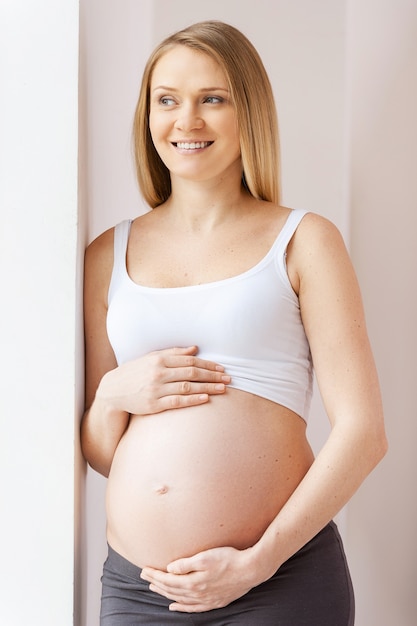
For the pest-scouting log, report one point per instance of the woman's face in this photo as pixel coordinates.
(192, 121)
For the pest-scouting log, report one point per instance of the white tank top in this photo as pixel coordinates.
(250, 323)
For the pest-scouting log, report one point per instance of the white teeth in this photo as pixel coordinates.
(193, 145)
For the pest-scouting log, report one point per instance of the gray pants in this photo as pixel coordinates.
(313, 588)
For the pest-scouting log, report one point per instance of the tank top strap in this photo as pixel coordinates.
(290, 227)
(288, 230)
(121, 237)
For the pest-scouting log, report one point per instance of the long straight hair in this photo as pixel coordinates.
(251, 94)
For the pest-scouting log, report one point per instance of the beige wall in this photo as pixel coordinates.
(344, 76)
(382, 518)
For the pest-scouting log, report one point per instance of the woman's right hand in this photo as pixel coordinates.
(162, 380)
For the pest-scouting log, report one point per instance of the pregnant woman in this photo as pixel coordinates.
(203, 319)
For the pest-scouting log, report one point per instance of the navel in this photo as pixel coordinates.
(162, 489)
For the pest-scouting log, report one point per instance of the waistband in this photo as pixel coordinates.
(121, 565)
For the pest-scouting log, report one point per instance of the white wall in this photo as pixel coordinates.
(344, 74)
(38, 248)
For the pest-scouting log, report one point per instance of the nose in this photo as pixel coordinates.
(188, 118)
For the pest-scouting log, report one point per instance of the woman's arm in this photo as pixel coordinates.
(333, 317)
(332, 313)
(159, 381)
(102, 426)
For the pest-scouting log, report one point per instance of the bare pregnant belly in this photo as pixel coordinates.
(190, 479)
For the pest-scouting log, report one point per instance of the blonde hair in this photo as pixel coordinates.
(251, 94)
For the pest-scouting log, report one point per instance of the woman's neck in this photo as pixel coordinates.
(205, 205)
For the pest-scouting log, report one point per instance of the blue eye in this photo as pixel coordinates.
(167, 101)
(213, 99)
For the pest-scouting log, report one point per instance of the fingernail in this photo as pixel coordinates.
(219, 387)
(226, 378)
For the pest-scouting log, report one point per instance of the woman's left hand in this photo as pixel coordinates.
(208, 580)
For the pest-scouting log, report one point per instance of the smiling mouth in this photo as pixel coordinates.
(192, 145)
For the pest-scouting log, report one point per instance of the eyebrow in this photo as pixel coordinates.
(203, 90)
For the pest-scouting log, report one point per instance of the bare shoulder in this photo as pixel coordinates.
(316, 239)
(99, 258)
(102, 246)
(315, 229)
(317, 250)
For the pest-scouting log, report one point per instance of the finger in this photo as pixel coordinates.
(167, 403)
(176, 595)
(178, 351)
(193, 373)
(183, 566)
(187, 388)
(182, 350)
(191, 361)
(172, 586)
